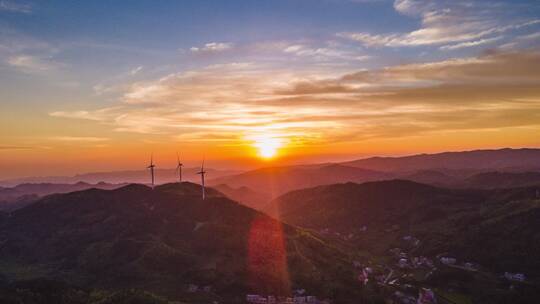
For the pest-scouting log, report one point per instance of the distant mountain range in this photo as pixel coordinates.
(24, 194)
(120, 177)
(483, 169)
(492, 180)
(278, 180)
(467, 161)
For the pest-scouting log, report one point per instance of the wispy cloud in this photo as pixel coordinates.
(16, 7)
(324, 53)
(470, 43)
(79, 138)
(30, 64)
(443, 23)
(97, 115)
(136, 70)
(533, 36)
(213, 47)
(27, 54)
(16, 148)
(228, 102)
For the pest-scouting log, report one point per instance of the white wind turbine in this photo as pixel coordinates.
(202, 173)
(179, 168)
(151, 167)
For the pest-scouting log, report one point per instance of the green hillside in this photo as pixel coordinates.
(165, 240)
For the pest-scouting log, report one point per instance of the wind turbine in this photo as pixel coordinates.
(179, 168)
(202, 173)
(151, 167)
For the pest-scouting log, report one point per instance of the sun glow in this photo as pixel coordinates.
(267, 145)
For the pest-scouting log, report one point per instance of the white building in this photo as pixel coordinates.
(448, 260)
(193, 288)
(520, 277)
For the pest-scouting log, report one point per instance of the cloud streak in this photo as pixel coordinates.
(15, 7)
(212, 47)
(8, 148)
(226, 104)
(443, 22)
(30, 64)
(470, 43)
(79, 139)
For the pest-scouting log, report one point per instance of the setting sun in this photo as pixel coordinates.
(267, 145)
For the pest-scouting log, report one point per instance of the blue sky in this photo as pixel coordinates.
(306, 73)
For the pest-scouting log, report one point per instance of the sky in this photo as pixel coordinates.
(100, 85)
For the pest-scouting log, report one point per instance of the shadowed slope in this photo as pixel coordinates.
(498, 228)
(353, 205)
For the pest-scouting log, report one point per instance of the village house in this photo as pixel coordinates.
(299, 292)
(470, 266)
(192, 288)
(258, 299)
(403, 298)
(422, 261)
(448, 260)
(426, 296)
(402, 263)
(519, 277)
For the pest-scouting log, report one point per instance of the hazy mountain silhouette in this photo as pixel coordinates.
(245, 196)
(432, 177)
(119, 177)
(492, 180)
(449, 169)
(484, 180)
(164, 239)
(24, 194)
(278, 180)
(485, 160)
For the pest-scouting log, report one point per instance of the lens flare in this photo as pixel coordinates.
(267, 257)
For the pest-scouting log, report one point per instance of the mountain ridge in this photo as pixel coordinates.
(164, 238)
(505, 158)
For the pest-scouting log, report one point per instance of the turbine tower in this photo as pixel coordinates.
(202, 173)
(179, 168)
(151, 167)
